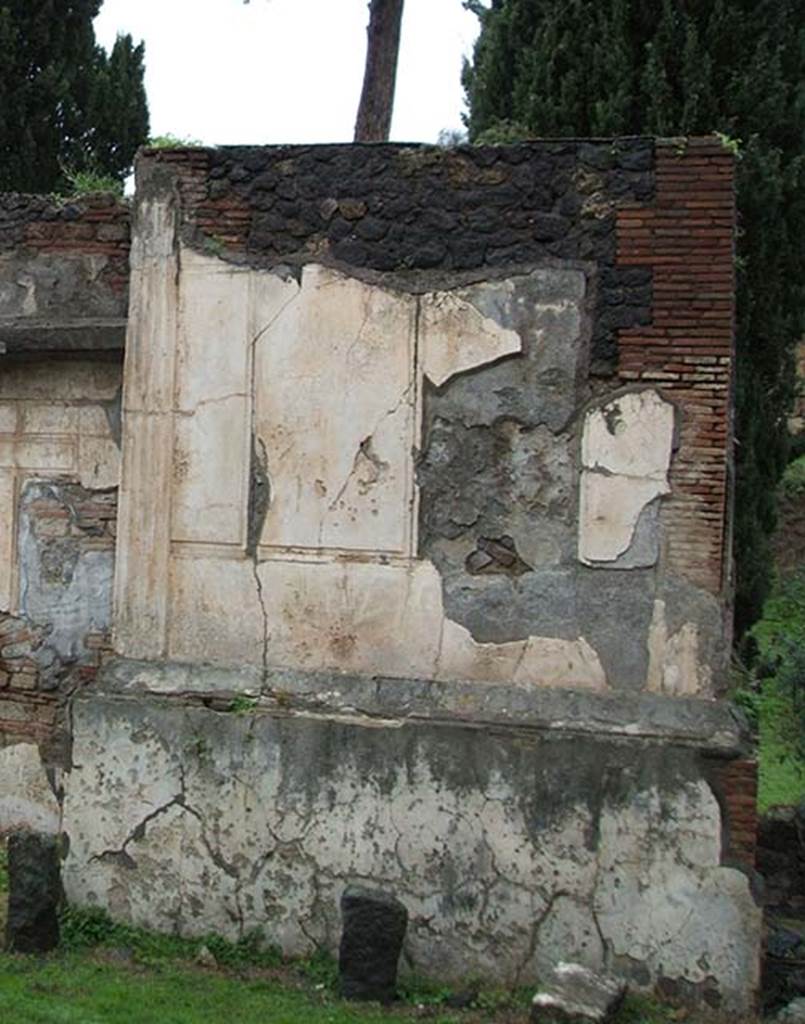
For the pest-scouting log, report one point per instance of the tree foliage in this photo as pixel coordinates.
(65, 104)
(683, 67)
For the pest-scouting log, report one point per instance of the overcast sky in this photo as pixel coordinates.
(275, 71)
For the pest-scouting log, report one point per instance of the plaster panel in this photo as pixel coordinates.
(536, 661)
(210, 472)
(676, 667)
(45, 454)
(214, 332)
(335, 393)
(8, 417)
(98, 463)
(48, 418)
(630, 436)
(626, 453)
(609, 510)
(456, 336)
(93, 421)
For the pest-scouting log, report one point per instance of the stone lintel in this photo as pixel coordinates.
(68, 336)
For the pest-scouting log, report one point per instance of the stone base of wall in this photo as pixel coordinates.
(518, 828)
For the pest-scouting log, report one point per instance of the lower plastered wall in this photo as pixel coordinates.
(515, 832)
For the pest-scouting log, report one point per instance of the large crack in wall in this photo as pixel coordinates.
(588, 849)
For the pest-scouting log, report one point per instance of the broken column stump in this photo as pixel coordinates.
(34, 892)
(573, 994)
(374, 926)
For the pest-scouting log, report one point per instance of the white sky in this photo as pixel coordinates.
(276, 71)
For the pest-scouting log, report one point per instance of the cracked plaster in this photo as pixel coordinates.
(220, 822)
(625, 455)
(321, 375)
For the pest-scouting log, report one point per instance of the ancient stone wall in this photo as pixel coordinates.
(63, 309)
(490, 384)
(421, 573)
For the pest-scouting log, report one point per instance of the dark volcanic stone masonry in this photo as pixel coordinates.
(374, 929)
(416, 208)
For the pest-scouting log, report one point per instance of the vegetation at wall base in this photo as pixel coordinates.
(111, 973)
(64, 101)
(736, 67)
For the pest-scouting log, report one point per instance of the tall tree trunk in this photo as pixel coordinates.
(377, 98)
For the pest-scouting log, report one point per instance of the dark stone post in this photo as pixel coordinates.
(374, 926)
(34, 892)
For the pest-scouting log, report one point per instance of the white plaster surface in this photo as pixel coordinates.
(26, 797)
(189, 821)
(626, 452)
(681, 914)
(456, 336)
(322, 377)
(212, 403)
(335, 402)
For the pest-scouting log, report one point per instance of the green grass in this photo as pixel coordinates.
(85, 929)
(76, 989)
(90, 182)
(781, 774)
(84, 988)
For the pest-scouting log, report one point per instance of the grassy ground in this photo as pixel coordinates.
(107, 973)
(101, 989)
(108, 987)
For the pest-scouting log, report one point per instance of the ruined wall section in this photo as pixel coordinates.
(584, 471)
(63, 273)
(63, 308)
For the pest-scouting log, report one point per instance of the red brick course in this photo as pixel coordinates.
(101, 226)
(687, 237)
(736, 786)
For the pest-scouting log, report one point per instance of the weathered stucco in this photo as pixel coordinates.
(558, 845)
(27, 796)
(356, 476)
(419, 577)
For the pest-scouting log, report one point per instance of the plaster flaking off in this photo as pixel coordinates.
(675, 665)
(323, 375)
(625, 454)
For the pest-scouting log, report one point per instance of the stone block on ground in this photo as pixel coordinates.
(374, 925)
(574, 993)
(34, 892)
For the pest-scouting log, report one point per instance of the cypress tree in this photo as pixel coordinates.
(65, 105)
(683, 67)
